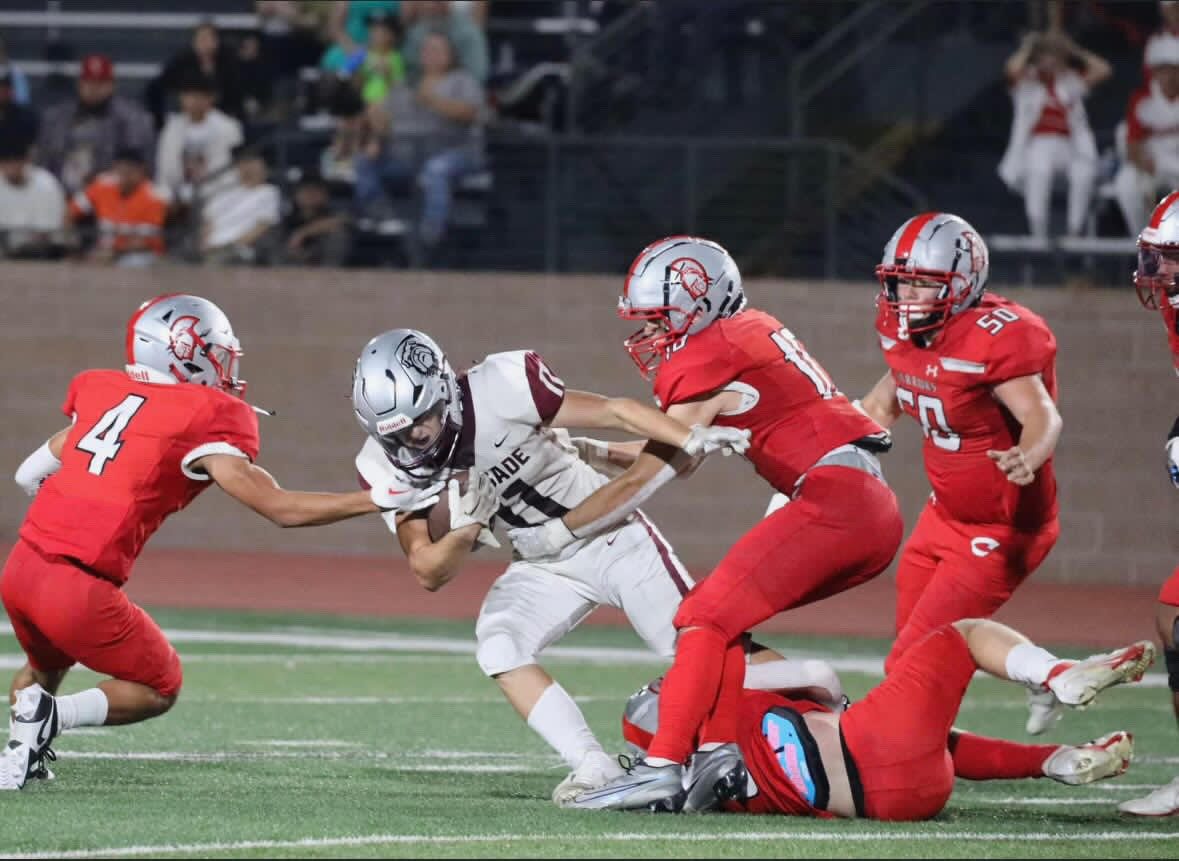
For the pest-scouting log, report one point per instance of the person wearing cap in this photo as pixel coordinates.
(32, 204)
(17, 122)
(1151, 167)
(79, 137)
(127, 209)
(194, 153)
(1050, 131)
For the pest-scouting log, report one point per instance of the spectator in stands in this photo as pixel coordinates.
(127, 209)
(207, 57)
(349, 29)
(32, 204)
(1151, 167)
(337, 162)
(196, 144)
(239, 219)
(378, 67)
(257, 77)
(468, 41)
(1168, 26)
(79, 138)
(314, 232)
(1050, 133)
(294, 32)
(17, 122)
(18, 81)
(433, 131)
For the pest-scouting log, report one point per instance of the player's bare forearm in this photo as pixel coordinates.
(589, 410)
(639, 480)
(57, 442)
(434, 563)
(624, 454)
(255, 488)
(1040, 423)
(881, 402)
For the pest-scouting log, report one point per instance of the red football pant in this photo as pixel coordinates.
(842, 529)
(951, 570)
(62, 615)
(1169, 594)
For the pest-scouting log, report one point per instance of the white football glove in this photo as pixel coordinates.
(594, 452)
(1173, 460)
(477, 505)
(706, 440)
(390, 488)
(542, 542)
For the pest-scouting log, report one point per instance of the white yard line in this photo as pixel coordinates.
(303, 742)
(1036, 802)
(833, 836)
(395, 762)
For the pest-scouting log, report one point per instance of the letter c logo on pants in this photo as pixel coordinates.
(982, 545)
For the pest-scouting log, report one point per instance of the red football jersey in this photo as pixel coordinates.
(125, 465)
(795, 412)
(1171, 323)
(947, 388)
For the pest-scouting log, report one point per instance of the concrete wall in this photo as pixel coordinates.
(302, 330)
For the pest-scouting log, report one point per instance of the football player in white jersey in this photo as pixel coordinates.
(502, 422)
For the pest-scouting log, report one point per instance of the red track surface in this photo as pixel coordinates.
(358, 585)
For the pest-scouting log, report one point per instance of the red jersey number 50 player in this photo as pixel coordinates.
(978, 373)
(143, 444)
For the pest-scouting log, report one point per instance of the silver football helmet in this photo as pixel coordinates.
(934, 249)
(683, 282)
(640, 718)
(184, 338)
(1157, 277)
(406, 397)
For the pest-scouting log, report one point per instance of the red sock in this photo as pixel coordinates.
(721, 724)
(977, 757)
(689, 691)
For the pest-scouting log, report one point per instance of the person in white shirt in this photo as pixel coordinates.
(1050, 132)
(239, 219)
(32, 204)
(1151, 168)
(196, 144)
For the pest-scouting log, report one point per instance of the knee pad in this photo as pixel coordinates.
(501, 652)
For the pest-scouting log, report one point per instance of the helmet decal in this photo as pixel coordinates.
(689, 274)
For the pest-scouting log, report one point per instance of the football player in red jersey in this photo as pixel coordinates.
(717, 362)
(894, 754)
(978, 372)
(143, 444)
(1157, 283)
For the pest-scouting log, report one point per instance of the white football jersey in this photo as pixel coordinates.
(507, 400)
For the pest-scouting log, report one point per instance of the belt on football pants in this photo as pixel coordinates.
(849, 455)
(853, 778)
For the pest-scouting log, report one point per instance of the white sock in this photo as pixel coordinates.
(1030, 664)
(558, 720)
(87, 708)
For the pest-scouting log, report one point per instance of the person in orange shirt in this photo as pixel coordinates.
(128, 210)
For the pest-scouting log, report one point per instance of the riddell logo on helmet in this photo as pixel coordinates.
(138, 374)
(388, 426)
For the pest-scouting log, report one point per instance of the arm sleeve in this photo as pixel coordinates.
(1020, 350)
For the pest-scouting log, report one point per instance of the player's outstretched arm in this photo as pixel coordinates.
(881, 402)
(434, 563)
(254, 487)
(41, 464)
(1028, 400)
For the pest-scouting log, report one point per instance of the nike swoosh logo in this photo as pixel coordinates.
(43, 734)
(502, 441)
(611, 539)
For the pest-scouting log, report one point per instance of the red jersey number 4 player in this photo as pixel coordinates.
(143, 443)
(978, 373)
(717, 362)
(1157, 282)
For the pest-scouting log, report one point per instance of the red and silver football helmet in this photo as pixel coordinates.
(1157, 277)
(684, 283)
(185, 339)
(934, 249)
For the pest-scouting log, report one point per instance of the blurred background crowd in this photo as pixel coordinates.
(563, 134)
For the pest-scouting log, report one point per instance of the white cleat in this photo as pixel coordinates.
(16, 762)
(1164, 801)
(1079, 684)
(1104, 757)
(596, 769)
(33, 720)
(1044, 711)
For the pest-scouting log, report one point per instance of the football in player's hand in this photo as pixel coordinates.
(438, 517)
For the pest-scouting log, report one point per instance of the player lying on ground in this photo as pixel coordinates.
(717, 362)
(499, 423)
(1157, 283)
(143, 444)
(978, 373)
(894, 754)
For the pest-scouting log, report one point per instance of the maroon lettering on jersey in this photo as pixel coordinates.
(791, 405)
(948, 389)
(121, 472)
(548, 390)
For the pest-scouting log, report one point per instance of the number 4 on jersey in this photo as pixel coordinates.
(102, 441)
